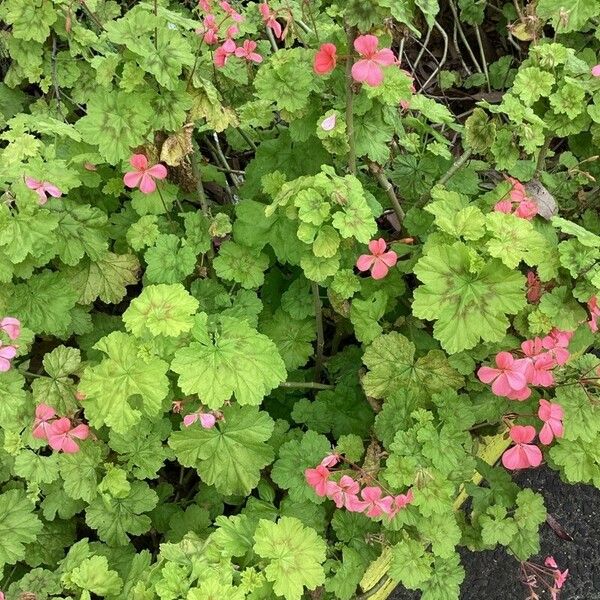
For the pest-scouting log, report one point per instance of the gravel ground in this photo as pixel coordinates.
(493, 575)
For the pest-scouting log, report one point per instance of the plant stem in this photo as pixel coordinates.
(198, 177)
(483, 59)
(320, 336)
(541, 160)
(247, 138)
(451, 171)
(388, 188)
(463, 37)
(350, 36)
(310, 385)
(272, 39)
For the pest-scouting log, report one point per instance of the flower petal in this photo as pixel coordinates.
(379, 270)
(132, 179)
(147, 185)
(365, 262)
(385, 57)
(139, 162)
(366, 45)
(158, 171)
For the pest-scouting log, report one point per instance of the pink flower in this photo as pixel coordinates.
(379, 261)
(176, 406)
(205, 5)
(375, 505)
(344, 493)
(522, 454)
(246, 50)
(559, 578)
(596, 70)
(540, 373)
(532, 348)
(594, 313)
(61, 435)
(44, 415)
(209, 30)
(143, 176)
(368, 70)
(552, 415)
(11, 326)
(231, 12)
(328, 123)
(523, 206)
(534, 287)
(401, 501)
(317, 479)
(42, 188)
(232, 31)
(223, 52)
(557, 342)
(331, 460)
(207, 420)
(270, 20)
(325, 59)
(7, 353)
(509, 377)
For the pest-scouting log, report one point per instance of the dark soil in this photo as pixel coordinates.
(494, 575)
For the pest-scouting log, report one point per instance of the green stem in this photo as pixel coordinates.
(198, 178)
(541, 160)
(309, 385)
(388, 188)
(320, 335)
(449, 173)
(350, 36)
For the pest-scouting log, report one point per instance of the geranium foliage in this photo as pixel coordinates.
(269, 274)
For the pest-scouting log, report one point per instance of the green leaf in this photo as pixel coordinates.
(230, 455)
(116, 121)
(170, 260)
(411, 564)
(29, 21)
(567, 16)
(454, 216)
(161, 310)
(94, 576)
(365, 315)
(294, 458)
(392, 366)
(496, 527)
(293, 338)
(444, 584)
(35, 468)
(243, 265)
(347, 577)
(531, 84)
(19, 525)
(43, 303)
(125, 385)
(237, 361)
(80, 472)
(80, 231)
(166, 57)
(585, 237)
(115, 518)
(143, 233)
(469, 302)
(295, 554)
(58, 389)
(105, 278)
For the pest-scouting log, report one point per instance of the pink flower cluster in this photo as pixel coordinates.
(345, 492)
(58, 431)
(548, 576)
(210, 32)
(143, 176)
(524, 454)
(518, 202)
(594, 314)
(12, 328)
(42, 189)
(512, 376)
(366, 70)
(379, 261)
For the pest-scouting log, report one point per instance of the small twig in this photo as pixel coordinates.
(463, 37)
(320, 334)
(91, 14)
(311, 16)
(442, 61)
(388, 188)
(423, 47)
(247, 138)
(350, 36)
(449, 173)
(55, 78)
(541, 160)
(309, 385)
(483, 58)
(458, 52)
(303, 26)
(223, 159)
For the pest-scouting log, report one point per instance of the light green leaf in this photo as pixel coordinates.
(170, 260)
(230, 455)
(243, 265)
